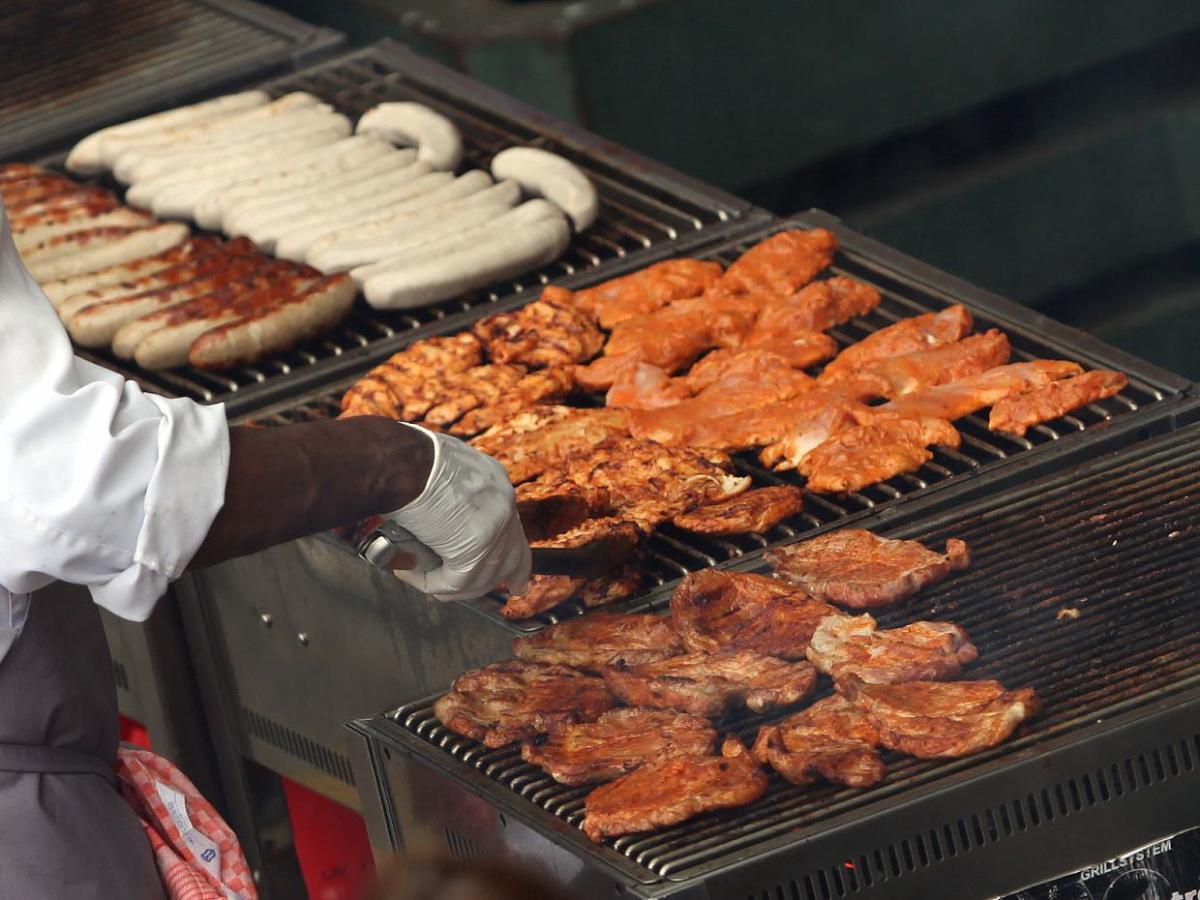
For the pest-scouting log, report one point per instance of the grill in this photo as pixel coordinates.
(646, 211)
(1113, 760)
(908, 289)
(122, 58)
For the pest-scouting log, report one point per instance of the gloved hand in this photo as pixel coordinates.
(467, 515)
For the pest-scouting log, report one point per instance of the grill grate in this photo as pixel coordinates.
(641, 208)
(1118, 543)
(673, 553)
(120, 58)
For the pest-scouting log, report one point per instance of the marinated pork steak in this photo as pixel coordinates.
(831, 740)
(618, 742)
(671, 791)
(602, 639)
(512, 700)
(540, 334)
(706, 685)
(923, 332)
(544, 437)
(858, 569)
(942, 719)
(715, 611)
(755, 511)
(923, 651)
(1017, 414)
(641, 292)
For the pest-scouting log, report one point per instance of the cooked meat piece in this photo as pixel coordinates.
(781, 264)
(715, 611)
(866, 454)
(550, 509)
(389, 386)
(673, 337)
(512, 700)
(642, 480)
(611, 588)
(1017, 414)
(705, 685)
(646, 290)
(670, 791)
(911, 335)
(544, 592)
(736, 391)
(547, 436)
(899, 375)
(832, 739)
(967, 395)
(540, 334)
(921, 651)
(757, 510)
(618, 742)
(765, 424)
(602, 639)
(545, 386)
(480, 386)
(942, 719)
(817, 307)
(858, 569)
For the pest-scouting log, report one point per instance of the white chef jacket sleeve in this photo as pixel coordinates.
(103, 485)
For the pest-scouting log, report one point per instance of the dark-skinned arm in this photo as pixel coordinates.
(295, 480)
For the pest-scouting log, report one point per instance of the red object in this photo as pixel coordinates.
(133, 732)
(331, 844)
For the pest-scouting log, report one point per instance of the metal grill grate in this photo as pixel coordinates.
(117, 59)
(1117, 542)
(673, 553)
(642, 207)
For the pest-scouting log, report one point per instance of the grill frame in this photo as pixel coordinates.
(283, 43)
(1151, 738)
(629, 185)
(859, 257)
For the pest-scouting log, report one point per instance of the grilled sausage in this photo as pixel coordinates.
(135, 245)
(510, 249)
(548, 175)
(125, 273)
(436, 138)
(122, 216)
(85, 157)
(274, 329)
(64, 244)
(89, 202)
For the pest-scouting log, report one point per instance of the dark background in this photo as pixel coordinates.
(1049, 151)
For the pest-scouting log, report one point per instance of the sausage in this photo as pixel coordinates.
(112, 146)
(274, 329)
(85, 157)
(170, 333)
(59, 292)
(97, 323)
(548, 175)
(378, 190)
(337, 248)
(355, 254)
(136, 244)
(19, 171)
(32, 237)
(23, 193)
(294, 244)
(65, 244)
(309, 167)
(90, 200)
(504, 255)
(49, 197)
(436, 138)
(266, 204)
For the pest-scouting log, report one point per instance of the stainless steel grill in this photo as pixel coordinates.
(673, 553)
(70, 67)
(1116, 540)
(644, 207)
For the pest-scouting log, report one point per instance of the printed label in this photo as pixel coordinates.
(201, 845)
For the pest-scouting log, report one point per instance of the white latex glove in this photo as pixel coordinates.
(467, 515)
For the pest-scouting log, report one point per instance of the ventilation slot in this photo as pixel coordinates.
(460, 847)
(297, 745)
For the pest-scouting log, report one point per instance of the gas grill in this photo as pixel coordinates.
(1111, 763)
(116, 60)
(646, 211)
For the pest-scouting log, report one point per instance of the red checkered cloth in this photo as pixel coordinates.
(197, 854)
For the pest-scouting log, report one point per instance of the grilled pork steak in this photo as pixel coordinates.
(618, 742)
(602, 639)
(831, 740)
(512, 700)
(757, 510)
(843, 646)
(855, 568)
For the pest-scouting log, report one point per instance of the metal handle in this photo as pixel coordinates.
(391, 547)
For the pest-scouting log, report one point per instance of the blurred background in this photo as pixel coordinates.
(1047, 151)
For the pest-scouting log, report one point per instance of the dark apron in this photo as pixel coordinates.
(65, 831)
